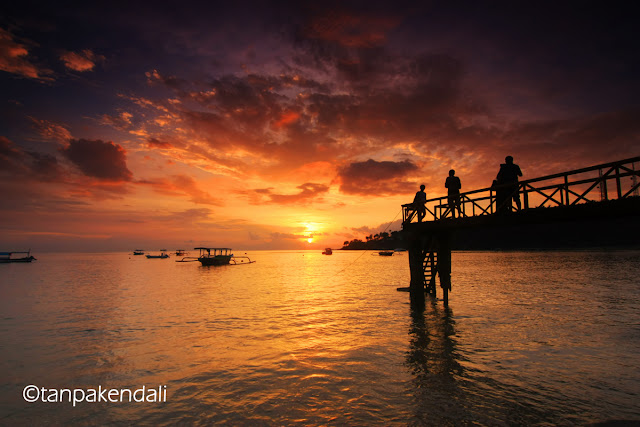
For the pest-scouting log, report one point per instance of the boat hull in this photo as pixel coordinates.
(215, 260)
(26, 259)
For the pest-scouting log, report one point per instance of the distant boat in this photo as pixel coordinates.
(385, 253)
(180, 252)
(138, 251)
(6, 257)
(163, 254)
(327, 251)
(214, 256)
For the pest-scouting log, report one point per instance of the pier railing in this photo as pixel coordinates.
(607, 181)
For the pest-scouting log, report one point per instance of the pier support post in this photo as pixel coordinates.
(444, 265)
(416, 258)
(430, 254)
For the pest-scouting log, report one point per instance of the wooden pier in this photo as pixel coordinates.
(603, 193)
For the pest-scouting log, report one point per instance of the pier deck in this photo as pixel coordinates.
(602, 194)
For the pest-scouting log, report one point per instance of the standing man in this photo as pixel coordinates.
(453, 186)
(419, 202)
(508, 177)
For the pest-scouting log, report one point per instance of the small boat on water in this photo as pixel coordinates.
(163, 254)
(217, 256)
(385, 253)
(180, 252)
(6, 257)
(138, 251)
(214, 256)
(327, 251)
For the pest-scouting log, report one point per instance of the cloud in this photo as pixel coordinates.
(356, 30)
(14, 59)
(11, 157)
(82, 61)
(179, 185)
(308, 192)
(18, 162)
(287, 236)
(122, 121)
(343, 91)
(52, 131)
(196, 216)
(98, 159)
(375, 178)
(155, 143)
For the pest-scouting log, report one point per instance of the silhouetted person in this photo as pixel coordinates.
(419, 201)
(500, 195)
(453, 186)
(508, 178)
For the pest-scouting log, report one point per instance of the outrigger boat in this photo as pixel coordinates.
(6, 257)
(138, 251)
(163, 254)
(214, 256)
(385, 253)
(180, 252)
(327, 251)
(217, 256)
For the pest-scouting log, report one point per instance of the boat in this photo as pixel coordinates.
(138, 251)
(214, 256)
(327, 251)
(385, 253)
(217, 256)
(163, 254)
(180, 252)
(6, 257)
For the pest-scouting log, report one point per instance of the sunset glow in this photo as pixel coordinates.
(291, 127)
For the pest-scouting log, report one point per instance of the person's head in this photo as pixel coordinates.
(452, 172)
(422, 187)
(508, 159)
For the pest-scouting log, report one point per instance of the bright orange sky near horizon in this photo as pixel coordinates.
(298, 127)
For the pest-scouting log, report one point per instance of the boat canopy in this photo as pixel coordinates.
(216, 251)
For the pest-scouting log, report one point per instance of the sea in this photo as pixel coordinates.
(302, 338)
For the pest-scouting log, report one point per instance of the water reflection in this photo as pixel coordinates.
(433, 362)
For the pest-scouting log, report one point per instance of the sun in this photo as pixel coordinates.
(310, 240)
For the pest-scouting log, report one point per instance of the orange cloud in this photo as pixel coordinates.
(308, 192)
(13, 59)
(177, 185)
(286, 119)
(81, 61)
(155, 143)
(52, 131)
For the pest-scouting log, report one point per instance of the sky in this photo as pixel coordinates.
(275, 125)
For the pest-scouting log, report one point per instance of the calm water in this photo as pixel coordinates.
(303, 338)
